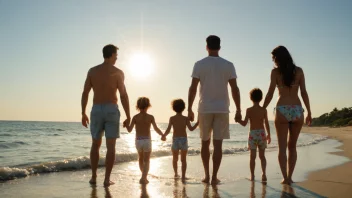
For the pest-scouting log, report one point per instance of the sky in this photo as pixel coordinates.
(47, 47)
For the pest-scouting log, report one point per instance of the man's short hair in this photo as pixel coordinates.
(213, 42)
(108, 50)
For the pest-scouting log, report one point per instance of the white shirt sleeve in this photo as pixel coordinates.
(232, 71)
(196, 73)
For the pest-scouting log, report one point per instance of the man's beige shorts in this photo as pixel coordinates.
(218, 123)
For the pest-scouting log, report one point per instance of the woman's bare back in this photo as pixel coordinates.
(289, 95)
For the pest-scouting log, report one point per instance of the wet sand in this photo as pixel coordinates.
(233, 173)
(335, 181)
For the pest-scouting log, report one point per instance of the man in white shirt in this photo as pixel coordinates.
(214, 74)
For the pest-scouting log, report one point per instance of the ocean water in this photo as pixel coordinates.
(28, 148)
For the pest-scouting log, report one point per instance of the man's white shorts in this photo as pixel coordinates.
(218, 123)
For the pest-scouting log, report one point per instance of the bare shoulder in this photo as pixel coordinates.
(299, 70)
(186, 118)
(117, 69)
(118, 72)
(92, 70)
(135, 116)
(248, 110)
(150, 117)
(275, 71)
(172, 118)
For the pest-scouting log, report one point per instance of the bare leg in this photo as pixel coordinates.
(146, 158)
(252, 162)
(184, 164)
(205, 153)
(263, 162)
(94, 159)
(294, 132)
(281, 126)
(174, 161)
(141, 161)
(217, 156)
(110, 160)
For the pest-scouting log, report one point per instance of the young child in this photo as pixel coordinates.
(143, 121)
(257, 116)
(179, 143)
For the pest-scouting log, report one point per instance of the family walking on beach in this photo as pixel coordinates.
(214, 74)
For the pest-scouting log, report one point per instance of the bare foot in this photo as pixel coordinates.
(205, 180)
(176, 175)
(264, 179)
(251, 178)
(108, 183)
(184, 179)
(284, 181)
(290, 181)
(215, 181)
(93, 180)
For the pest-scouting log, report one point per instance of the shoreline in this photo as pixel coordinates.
(334, 181)
(234, 173)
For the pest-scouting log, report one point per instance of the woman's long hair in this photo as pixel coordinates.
(284, 62)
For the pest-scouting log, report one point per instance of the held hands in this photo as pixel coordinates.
(191, 115)
(268, 139)
(238, 116)
(85, 120)
(126, 123)
(163, 138)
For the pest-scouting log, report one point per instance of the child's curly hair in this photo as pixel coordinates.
(256, 95)
(143, 103)
(178, 105)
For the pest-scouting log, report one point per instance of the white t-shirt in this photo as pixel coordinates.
(214, 74)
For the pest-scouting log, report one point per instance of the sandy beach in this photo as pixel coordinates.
(335, 181)
(234, 172)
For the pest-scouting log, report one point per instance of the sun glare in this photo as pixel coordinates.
(141, 65)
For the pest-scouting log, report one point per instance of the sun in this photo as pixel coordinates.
(140, 65)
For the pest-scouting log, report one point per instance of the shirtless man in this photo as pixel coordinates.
(105, 79)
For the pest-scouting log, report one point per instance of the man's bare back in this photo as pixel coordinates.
(104, 79)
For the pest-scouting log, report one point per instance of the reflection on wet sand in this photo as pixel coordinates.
(107, 193)
(177, 192)
(94, 193)
(287, 191)
(144, 191)
(252, 192)
(214, 191)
